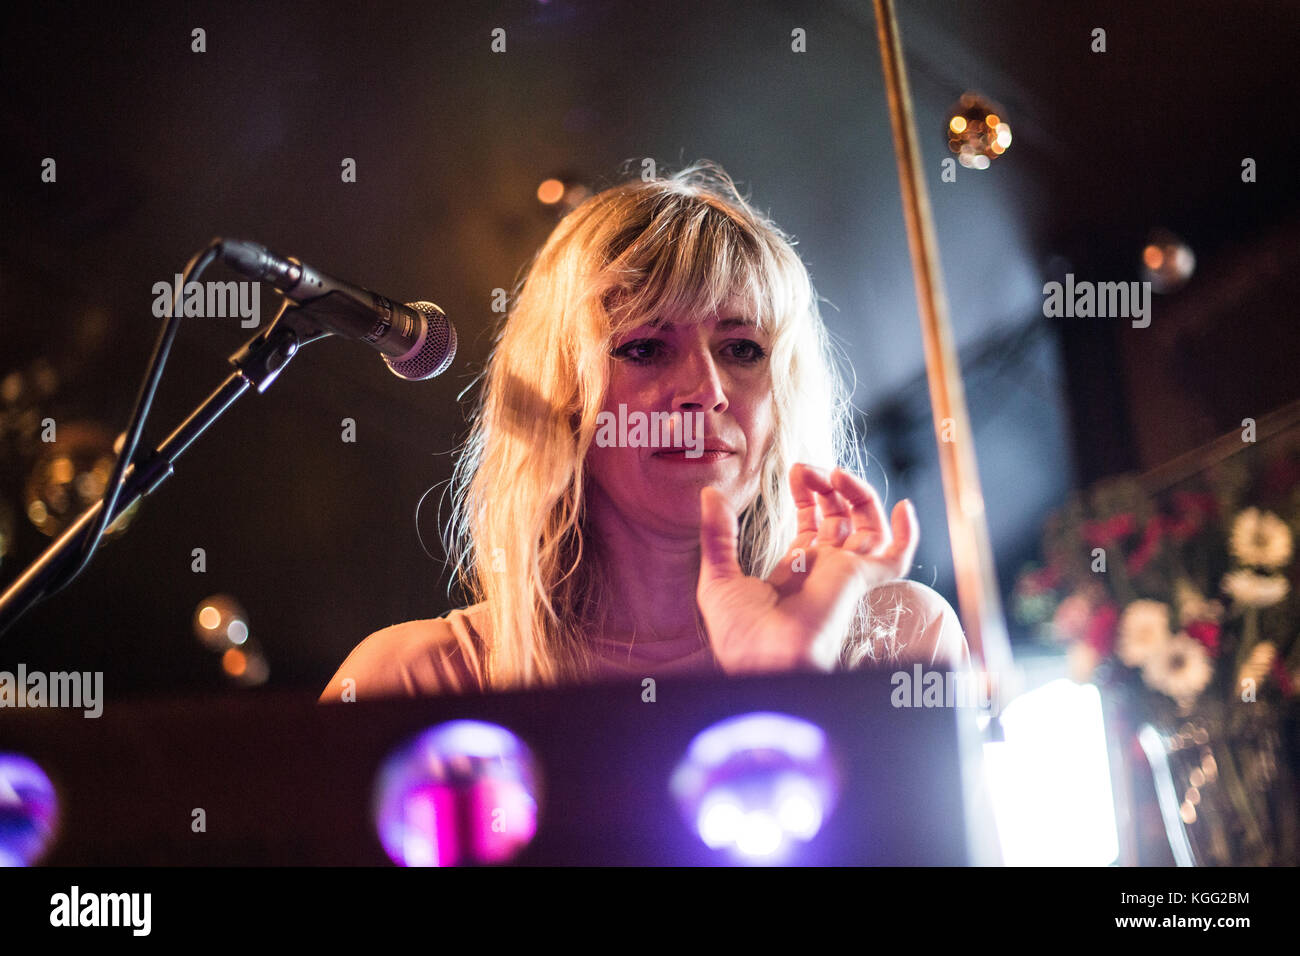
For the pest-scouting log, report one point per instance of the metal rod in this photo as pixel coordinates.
(977, 590)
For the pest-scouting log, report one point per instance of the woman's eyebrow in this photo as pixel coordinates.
(722, 323)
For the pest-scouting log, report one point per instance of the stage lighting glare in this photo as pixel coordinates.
(754, 783)
(798, 808)
(29, 811)
(720, 820)
(760, 834)
(463, 792)
(1049, 780)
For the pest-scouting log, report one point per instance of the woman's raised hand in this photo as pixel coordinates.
(799, 617)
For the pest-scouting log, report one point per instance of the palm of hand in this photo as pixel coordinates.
(799, 616)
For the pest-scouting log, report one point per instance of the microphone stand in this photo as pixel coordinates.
(257, 364)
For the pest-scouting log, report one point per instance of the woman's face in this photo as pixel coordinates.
(714, 373)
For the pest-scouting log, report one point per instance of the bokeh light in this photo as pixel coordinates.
(756, 783)
(221, 625)
(8, 528)
(977, 131)
(1167, 261)
(550, 192)
(463, 792)
(70, 474)
(218, 619)
(29, 811)
(563, 192)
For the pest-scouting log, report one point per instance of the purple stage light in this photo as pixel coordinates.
(463, 792)
(29, 811)
(755, 783)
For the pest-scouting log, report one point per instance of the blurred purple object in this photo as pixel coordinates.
(29, 811)
(463, 792)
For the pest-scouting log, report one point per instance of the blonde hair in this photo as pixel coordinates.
(517, 536)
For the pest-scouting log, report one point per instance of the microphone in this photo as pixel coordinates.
(416, 340)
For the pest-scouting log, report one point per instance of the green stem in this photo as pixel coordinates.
(1123, 586)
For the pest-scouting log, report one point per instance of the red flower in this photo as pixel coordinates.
(1183, 528)
(1207, 632)
(1280, 477)
(1281, 675)
(1100, 631)
(1150, 543)
(1097, 533)
(1196, 503)
(1191, 509)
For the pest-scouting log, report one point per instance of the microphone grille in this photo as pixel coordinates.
(435, 354)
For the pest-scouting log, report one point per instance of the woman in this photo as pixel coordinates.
(719, 541)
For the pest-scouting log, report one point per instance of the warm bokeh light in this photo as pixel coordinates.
(550, 192)
(69, 476)
(977, 132)
(61, 470)
(1167, 261)
(233, 662)
(214, 619)
(7, 530)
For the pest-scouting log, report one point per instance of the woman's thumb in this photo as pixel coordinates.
(718, 531)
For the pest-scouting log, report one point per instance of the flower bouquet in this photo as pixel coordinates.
(1182, 606)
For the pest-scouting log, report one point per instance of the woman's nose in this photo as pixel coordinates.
(697, 385)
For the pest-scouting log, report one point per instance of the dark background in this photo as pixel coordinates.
(159, 149)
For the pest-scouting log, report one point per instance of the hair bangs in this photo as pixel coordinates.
(688, 261)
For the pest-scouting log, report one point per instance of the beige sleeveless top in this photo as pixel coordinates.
(443, 655)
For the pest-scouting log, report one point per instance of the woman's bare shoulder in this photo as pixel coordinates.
(913, 622)
(434, 656)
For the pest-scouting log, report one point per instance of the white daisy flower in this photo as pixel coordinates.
(1143, 630)
(1192, 604)
(1260, 538)
(1180, 669)
(1255, 590)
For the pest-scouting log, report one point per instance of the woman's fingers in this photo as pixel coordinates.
(841, 510)
(834, 526)
(804, 480)
(907, 536)
(870, 533)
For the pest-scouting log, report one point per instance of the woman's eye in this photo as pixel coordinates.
(640, 352)
(752, 352)
(646, 351)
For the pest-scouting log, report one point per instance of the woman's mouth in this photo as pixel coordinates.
(689, 457)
